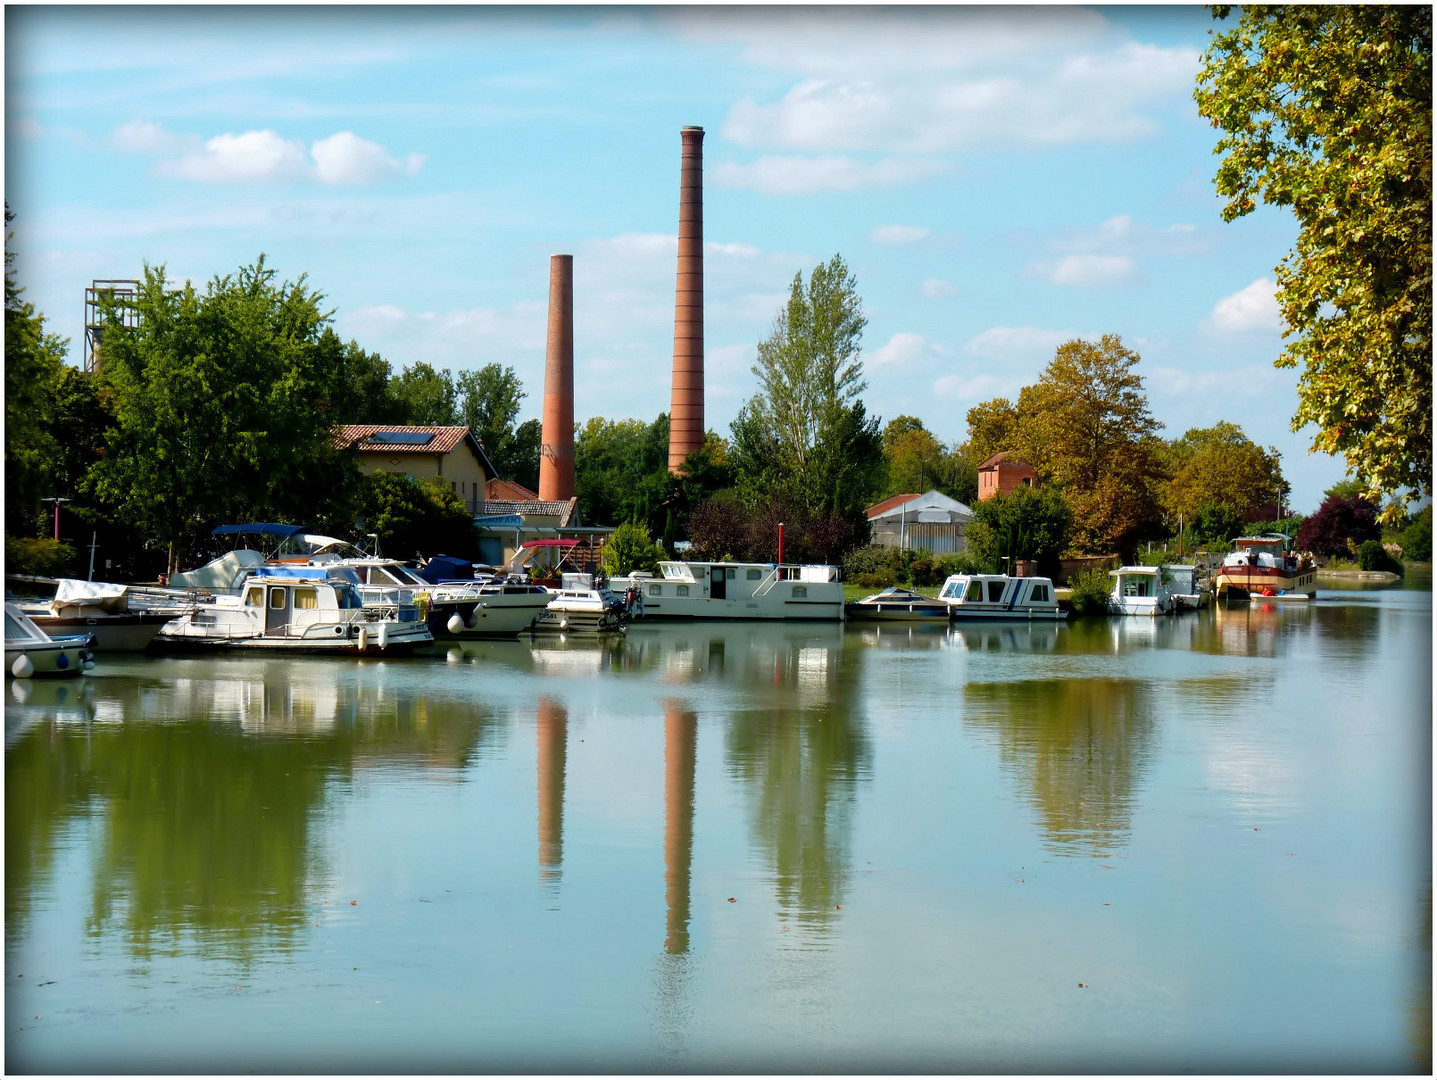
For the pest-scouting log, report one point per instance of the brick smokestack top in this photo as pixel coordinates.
(686, 415)
(556, 455)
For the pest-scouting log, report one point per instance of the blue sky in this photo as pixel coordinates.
(1000, 180)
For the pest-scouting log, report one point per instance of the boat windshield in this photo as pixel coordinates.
(347, 595)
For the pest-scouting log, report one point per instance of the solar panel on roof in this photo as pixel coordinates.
(402, 438)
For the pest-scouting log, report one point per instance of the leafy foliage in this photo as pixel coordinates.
(42, 556)
(489, 405)
(1221, 467)
(1373, 556)
(630, 548)
(1339, 525)
(918, 462)
(1216, 523)
(1328, 110)
(1029, 523)
(222, 408)
(992, 428)
(621, 469)
(1090, 591)
(806, 434)
(416, 517)
(724, 527)
(1416, 538)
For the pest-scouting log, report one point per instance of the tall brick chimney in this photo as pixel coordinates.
(556, 454)
(686, 414)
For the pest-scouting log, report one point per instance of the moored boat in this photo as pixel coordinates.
(104, 610)
(1264, 566)
(998, 596)
(897, 604)
(734, 590)
(1141, 590)
(29, 651)
(297, 609)
(582, 605)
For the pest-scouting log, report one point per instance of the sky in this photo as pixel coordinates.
(1000, 180)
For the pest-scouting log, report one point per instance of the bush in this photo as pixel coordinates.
(962, 563)
(872, 559)
(1337, 521)
(630, 548)
(1091, 589)
(1373, 556)
(42, 556)
(1416, 539)
(874, 580)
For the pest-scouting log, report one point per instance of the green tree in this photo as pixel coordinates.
(1085, 425)
(425, 396)
(917, 461)
(630, 548)
(806, 432)
(1416, 538)
(992, 428)
(1328, 110)
(621, 469)
(1223, 467)
(416, 517)
(361, 389)
(489, 402)
(1030, 523)
(222, 408)
(34, 366)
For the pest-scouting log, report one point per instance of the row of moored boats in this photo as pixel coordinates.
(333, 599)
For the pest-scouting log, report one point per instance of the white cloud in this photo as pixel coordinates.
(1251, 309)
(937, 288)
(345, 158)
(803, 175)
(1013, 343)
(342, 158)
(1092, 271)
(1257, 379)
(903, 349)
(899, 234)
(975, 388)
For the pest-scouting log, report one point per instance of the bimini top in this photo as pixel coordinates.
(261, 528)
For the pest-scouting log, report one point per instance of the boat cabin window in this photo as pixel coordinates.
(975, 592)
(730, 573)
(278, 597)
(754, 574)
(683, 590)
(1135, 586)
(656, 590)
(800, 592)
(306, 598)
(995, 591)
(254, 597)
(1039, 593)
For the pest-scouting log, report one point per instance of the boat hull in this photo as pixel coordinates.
(896, 612)
(1239, 583)
(122, 632)
(489, 617)
(399, 644)
(61, 658)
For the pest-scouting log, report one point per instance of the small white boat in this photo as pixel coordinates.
(729, 590)
(1141, 590)
(29, 651)
(582, 606)
(109, 612)
(897, 604)
(304, 609)
(998, 596)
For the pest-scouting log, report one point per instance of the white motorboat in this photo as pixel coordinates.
(29, 651)
(897, 604)
(118, 620)
(582, 606)
(1141, 590)
(298, 609)
(998, 596)
(730, 590)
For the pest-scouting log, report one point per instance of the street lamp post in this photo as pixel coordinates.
(57, 500)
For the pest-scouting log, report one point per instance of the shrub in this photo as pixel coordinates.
(1373, 556)
(960, 563)
(42, 556)
(879, 580)
(1416, 539)
(1091, 589)
(1339, 520)
(630, 548)
(872, 559)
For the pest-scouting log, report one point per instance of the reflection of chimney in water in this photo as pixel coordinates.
(556, 455)
(553, 730)
(686, 413)
(680, 746)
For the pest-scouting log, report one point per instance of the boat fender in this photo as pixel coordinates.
(384, 635)
(363, 638)
(22, 668)
(563, 624)
(455, 623)
(62, 661)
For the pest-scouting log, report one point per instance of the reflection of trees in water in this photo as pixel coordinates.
(1419, 1004)
(207, 819)
(1078, 745)
(801, 763)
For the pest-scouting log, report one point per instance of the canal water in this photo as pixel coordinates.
(1192, 844)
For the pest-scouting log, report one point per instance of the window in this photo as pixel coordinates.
(732, 573)
(1135, 587)
(254, 597)
(278, 598)
(995, 591)
(800, 592)
(656, 590)
(754, 575)
(306, 598)
(1039, 593)
(683, 590)
(975, 592)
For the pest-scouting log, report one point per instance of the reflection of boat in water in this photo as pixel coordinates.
(901, 635)
(46, 701)
(30, 651)
(1264, 566)
(1006, 636)
(897, 604)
